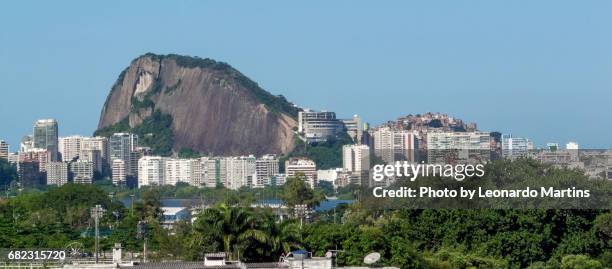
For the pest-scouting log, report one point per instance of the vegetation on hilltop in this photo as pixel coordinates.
(189, 153)
(108, 131)
(326, 154)
(154, 132)
(276, 103)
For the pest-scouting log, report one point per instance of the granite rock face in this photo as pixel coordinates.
(214, 108)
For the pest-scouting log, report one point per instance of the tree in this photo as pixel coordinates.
(579, 262)
(285, 236)
(296, 192)
(326, 154)
(235, 227)
(8, 172)
(603, 225)
(188, 153)
(152, 204)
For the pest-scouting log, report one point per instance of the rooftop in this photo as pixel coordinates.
(172, 210)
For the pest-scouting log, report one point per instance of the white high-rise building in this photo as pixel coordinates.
(304, 166)
(4, 150)
(181, 170)
(94, 156)
(151, 171)
(240, 172)
(266, 168)
(118, 172)
(214, 171)
(70, 147)
(356, 161)
(121, 146)
(515, 147)
(445, 147)
(197, 173)
(57, 173)
(201, 180)
(394, 145)
(82, 171)
(97, 143)
(356, 158)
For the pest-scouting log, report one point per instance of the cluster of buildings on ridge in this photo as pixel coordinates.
(46, 158)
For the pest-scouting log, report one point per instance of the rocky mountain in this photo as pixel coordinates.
(198, 104)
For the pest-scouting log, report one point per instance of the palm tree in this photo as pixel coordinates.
(285, 237)
(237, 227)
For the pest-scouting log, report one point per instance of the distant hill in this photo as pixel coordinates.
(177, 102)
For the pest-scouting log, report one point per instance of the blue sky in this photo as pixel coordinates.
(541, 69)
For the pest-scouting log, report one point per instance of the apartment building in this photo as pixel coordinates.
(93, 156)
(241, 172)
(45, 136)
(151, 171)
(458, 147)
(122, 146)
(266, 168)
(318, 126)
(394, 145)
(57, 173)
(118, 172)
(515, 147)
(4, 150)
(182, 170)
(354, 128)
(40, 156)
(301, 165)
(356, 161)
(98, 143)
(70, 147)
(82, 171)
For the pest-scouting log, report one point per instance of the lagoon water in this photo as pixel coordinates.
(171, 202)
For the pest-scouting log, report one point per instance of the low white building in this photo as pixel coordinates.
(329, 175)
(171, 215)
